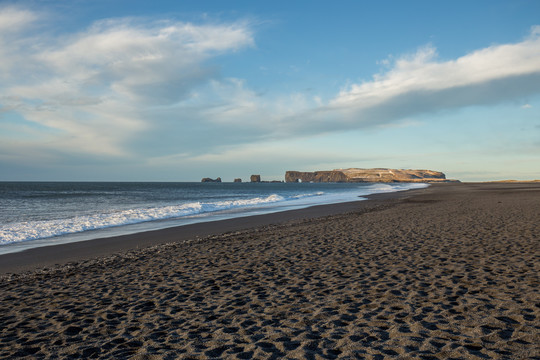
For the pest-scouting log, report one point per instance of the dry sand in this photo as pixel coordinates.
(449, 273)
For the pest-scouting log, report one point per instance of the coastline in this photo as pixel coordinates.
(60, 254)
(450, 271)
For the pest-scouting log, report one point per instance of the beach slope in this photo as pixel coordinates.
(449, 272)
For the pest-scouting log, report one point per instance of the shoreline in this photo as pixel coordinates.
(60, 254)
(446, 272)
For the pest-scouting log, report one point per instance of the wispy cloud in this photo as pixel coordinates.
(421, 83)
(13, 19)
(413, 84)
(94, 88)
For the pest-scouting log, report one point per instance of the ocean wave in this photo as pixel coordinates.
(24, 231)
(393, 187)
(34, 230)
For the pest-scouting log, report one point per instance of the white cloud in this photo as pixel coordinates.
(91, 88)
(414, 84)
(156, 62)
(13, 19)
(421, 83)
(494, 73)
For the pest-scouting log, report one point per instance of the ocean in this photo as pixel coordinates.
(34, 214)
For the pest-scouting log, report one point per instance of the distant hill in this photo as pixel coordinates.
(367, 175)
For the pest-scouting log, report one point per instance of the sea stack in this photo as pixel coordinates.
(238, 180)
(255, 178)
(211, 180)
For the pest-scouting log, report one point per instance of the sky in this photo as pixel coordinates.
(181, 90)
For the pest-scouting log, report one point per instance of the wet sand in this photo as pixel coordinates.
(449, 272)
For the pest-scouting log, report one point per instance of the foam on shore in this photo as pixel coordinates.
(198, 211)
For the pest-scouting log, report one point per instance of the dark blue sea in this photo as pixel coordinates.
(34, 214)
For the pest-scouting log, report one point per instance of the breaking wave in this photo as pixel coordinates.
(33, 230)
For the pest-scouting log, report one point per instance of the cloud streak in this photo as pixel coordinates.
(91, 88)
(420, 83)
(413, 85)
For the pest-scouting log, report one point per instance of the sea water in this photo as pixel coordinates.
(34, 214)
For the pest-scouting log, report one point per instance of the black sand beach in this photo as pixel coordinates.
(447, 272)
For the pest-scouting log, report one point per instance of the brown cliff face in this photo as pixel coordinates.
(367, 175)
(317, 176)
(390, 175)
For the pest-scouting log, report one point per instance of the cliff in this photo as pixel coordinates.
(391, 175)
(367, 175)
(317, 176)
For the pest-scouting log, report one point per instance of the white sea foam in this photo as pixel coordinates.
(385, 187)
(33, 230)
(19, 232)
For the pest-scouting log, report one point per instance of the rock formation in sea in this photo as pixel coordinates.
(211, 180)
(367, 175)
(255, 178)
(237, 180)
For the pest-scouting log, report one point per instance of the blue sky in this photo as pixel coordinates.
(180, 90)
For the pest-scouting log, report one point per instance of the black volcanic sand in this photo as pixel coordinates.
(449, 273)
